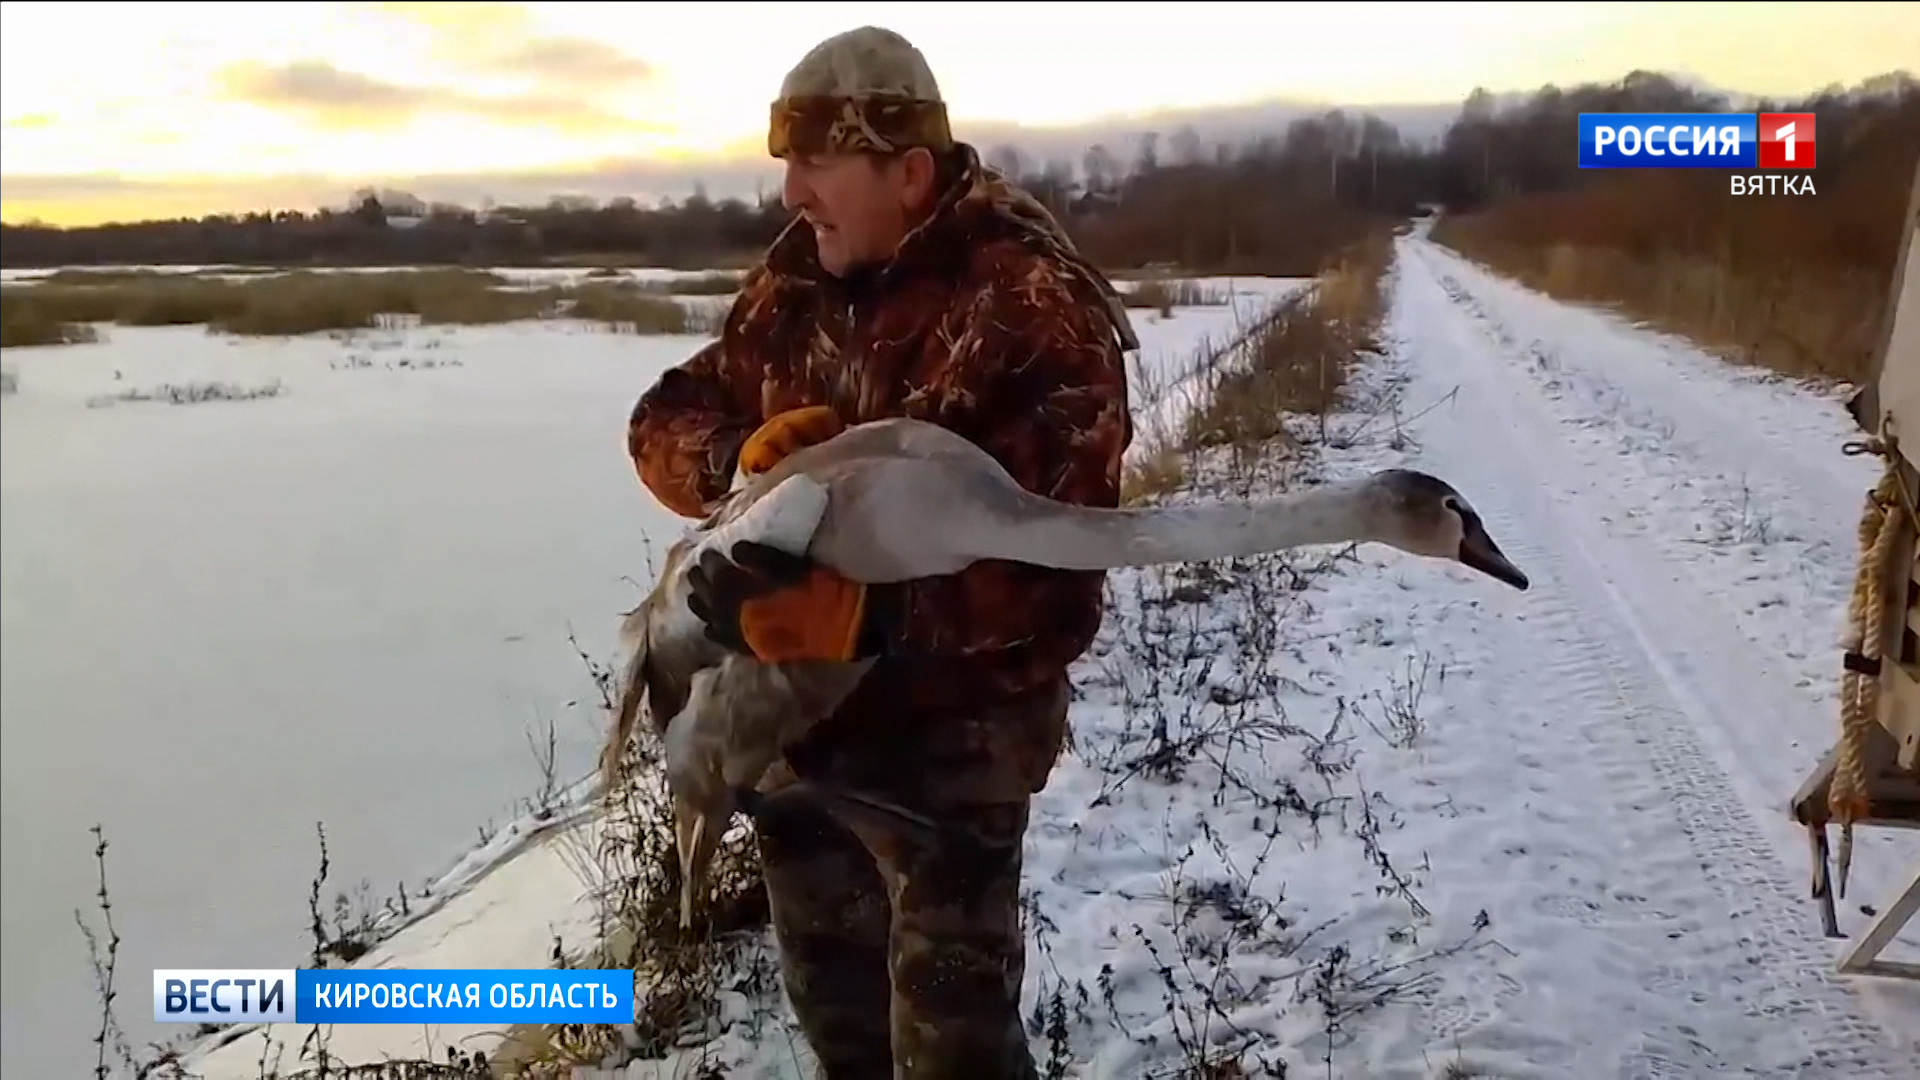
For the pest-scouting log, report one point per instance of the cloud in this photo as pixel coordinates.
(341, 99)
(563, 76)
(470, 34)
(461, 21)
(319, 86)
(576, 61)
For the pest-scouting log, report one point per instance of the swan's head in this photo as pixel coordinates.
(1422, 514)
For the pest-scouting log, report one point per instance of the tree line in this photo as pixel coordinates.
(1273, 204)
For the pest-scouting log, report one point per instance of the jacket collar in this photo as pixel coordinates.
(980, 205)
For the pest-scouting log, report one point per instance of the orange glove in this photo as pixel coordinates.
(776, 606)
(784, 433)
(780, 607)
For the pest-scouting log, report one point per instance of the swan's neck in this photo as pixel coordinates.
(1083, 538)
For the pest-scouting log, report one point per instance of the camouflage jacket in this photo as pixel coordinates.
(987, 322)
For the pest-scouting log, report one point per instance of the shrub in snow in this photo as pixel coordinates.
(191, 393)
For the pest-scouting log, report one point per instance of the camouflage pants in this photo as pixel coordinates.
(902, 958)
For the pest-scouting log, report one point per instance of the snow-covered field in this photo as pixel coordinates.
(1358, 813)
(344, 601)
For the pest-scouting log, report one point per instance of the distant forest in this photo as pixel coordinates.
(1272, 205)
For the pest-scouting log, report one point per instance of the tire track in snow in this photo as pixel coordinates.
(1740, 418)
(1633, 684)
(1779, 526)
(1763, 717)
(1641, 480)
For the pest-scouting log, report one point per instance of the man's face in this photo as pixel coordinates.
(859, 207)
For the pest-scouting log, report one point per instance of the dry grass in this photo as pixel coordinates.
(627, 307)
(88, 275)
(1798, 284)
(302, 302)
(717, 283)
(1294, 361)
(714, 284)
(23, 324)
(1298, 359)
(1802, 320)
(1161, 471)
(720, 258)
(633, 873)
(1165, 294)
(1149, 272)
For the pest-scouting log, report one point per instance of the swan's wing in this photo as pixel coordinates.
(783, 516)
(888, 500)
(741, 714)
(632, 636)
(632, 689)
(906, 518)
(661, 645)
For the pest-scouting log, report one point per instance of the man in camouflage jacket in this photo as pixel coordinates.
(913, 282)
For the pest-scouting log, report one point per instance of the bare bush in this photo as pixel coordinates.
(1401, 720)
(193, 393)
(346, 936)
(632, 870)
(1198, 669)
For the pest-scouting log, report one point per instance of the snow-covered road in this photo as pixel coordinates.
(1665, 685)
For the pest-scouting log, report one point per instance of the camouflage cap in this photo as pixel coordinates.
(864, 91)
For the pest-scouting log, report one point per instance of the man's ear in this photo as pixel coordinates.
(918, 176)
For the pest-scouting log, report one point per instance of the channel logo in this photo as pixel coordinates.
(1697, 141)
(1786, 140)
(392, 996)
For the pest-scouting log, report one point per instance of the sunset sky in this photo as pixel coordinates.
(121, 111)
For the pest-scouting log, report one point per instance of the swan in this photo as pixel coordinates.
(897, 499)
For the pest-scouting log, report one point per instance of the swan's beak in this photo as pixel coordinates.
(1478, 550)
